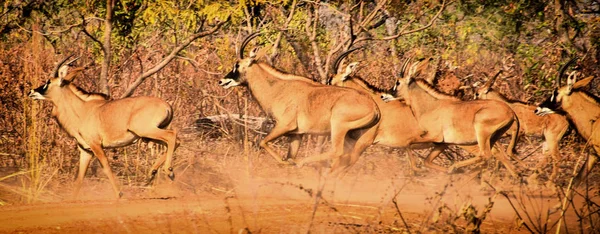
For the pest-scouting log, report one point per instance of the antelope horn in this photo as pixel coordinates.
(73, 60)
(245, 43)
(562, 70)
(490, 82)
(404, 65)
(338, 60)
(55, 71)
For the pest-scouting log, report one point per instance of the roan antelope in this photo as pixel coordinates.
(581, 108)
(300, 106)
(398, 127)
(97, 123)
(476, 122)
(552, 127)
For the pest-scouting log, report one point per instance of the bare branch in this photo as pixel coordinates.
(88, 34)
(280, 34)
(403, 32)
(170, 57)
(312, 21)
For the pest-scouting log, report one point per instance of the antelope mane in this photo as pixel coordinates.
(85, 95)
(366, 84)
(588, 96)
(283, 75)
(434, 92)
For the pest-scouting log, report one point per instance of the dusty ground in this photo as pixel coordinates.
(217, 191)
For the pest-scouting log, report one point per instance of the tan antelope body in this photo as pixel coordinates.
(302, 107)
(448, 121)
(97, 123)
(397, 127)
(552, 127)
(582, 108)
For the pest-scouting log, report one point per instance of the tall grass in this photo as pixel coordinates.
(32, 183)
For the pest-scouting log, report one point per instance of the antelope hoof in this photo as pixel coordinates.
(290, 162)
(451, 169)
(171, 174)
(415, 171)
(152, 175)
(120, 195)
(149, 181)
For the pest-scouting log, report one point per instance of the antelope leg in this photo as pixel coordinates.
(338, 138)
(275, 133)
(84, 161)
(464, 163)
(169, 137)
(503, 157)
(364, 140)
(320, 143)
(435, 152)
(295, 140)
(106, 168)
(552, 143)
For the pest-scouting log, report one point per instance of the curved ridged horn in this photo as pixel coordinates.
(245, 43)
(562, 70)
(404, 66)
(338, 60)
(488, 84)
(55, 71)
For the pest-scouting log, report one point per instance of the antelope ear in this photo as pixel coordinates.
(62, 74)
(582, 83)
(349, 69)
(254, 53)
(422, 65)
(71, 75)
(571, 81)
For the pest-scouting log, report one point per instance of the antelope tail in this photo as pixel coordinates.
(515, 136)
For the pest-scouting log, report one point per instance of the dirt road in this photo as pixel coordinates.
(260, 205)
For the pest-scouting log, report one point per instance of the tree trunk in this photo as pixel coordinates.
(106, 49)
(391, 26)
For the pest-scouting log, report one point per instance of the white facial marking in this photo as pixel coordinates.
(541, 111)
(386, 97)
(36, 96)
(228, 83)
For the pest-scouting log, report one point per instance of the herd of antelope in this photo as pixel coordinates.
(352, 112)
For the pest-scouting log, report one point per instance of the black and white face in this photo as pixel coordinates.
(550, 105)
(232, 79)
(52, 85)
(398, 91)
(236, 76)
(39, 92)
